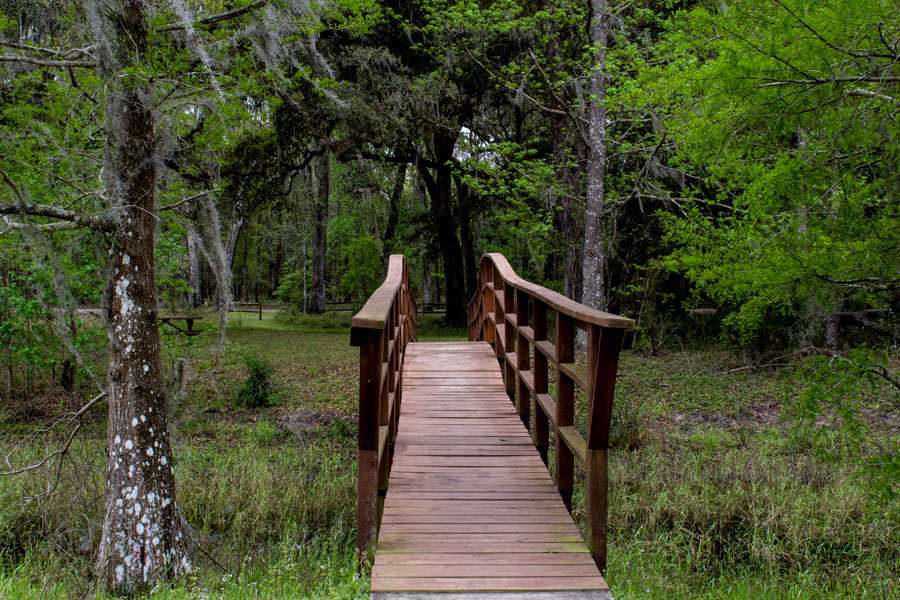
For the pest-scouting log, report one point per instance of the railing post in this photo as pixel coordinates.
(370, 368)
(565, 406)
(541, 422)
(490, 303)
(523, 360)
(603, 359)
(509, 341)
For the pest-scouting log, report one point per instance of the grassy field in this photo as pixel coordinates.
(712, 495)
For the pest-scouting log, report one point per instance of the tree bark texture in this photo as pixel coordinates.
(195, 296)
(594, 294)
(394, 216)
(142, 541)
(231, 243)
(440, 190)
(320, 233)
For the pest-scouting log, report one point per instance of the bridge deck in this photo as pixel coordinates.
(471, 511)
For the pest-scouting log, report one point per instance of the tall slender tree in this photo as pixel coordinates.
(594, 271)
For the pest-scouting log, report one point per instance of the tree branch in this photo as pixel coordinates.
(60, 451)
(847, 79)
(871, 94)
(87, 64)
(218, 18)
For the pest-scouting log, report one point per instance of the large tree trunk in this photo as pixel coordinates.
(440, 189)
(231, 243)
(470, 265)
(568, 147)
(390, 231)
(594, 243)
(142, 541)
(320, 236)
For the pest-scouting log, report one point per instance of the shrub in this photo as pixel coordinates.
(258, 389)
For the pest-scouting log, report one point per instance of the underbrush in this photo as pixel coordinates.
(712, 494)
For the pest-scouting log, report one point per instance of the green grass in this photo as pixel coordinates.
(711, 496)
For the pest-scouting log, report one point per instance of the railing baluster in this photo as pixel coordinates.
(565, 407)
(541, 422)
(523, 359)
(509, 341)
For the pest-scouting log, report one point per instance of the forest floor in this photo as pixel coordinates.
(712, 495)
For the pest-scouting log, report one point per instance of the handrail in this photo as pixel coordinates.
(511, 314)
(381, 330)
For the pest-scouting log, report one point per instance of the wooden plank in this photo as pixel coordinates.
(467, 547)
(477, 570)
(488, 584)
(521, 558)
(481, 495)
(448, 519)
(477, 538)
(397, 528)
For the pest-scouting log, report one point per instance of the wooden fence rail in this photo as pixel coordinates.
(511, 314)
(381, 330)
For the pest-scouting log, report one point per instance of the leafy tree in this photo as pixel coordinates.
(791, 224)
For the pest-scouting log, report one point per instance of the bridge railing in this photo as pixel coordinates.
(512, 314)
(381, 330)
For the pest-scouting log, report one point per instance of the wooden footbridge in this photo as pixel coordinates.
(454, 489)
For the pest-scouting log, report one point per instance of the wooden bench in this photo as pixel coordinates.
(248, 307)
(188, 321)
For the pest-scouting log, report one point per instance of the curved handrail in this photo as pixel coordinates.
(554, 300)
(511, 314)
(381, 330)
(375, 312)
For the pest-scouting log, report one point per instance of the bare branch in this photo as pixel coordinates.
(60, 452)
(54, 212)
(186, 200)
(846, 79)
(218, 18)
(871, 94)
(47, 63)
(865, 282)
(44, 227)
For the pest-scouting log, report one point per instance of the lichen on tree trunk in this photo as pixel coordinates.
(142, 541)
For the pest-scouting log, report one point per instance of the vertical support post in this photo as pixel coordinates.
(541, 422)
(523, 359)
(499, 318)
(509, 341)
(490, 302)
(370, 366)
(565, 407)
(603, 359)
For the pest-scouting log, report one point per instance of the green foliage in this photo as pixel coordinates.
(832, 402)
(258, 390)
(790, 220)
(364, 270)
(291, 291)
